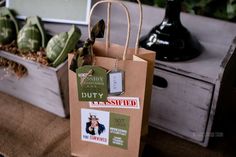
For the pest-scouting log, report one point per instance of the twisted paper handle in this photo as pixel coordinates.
(139, 27)
(128, 21)
(108, 21)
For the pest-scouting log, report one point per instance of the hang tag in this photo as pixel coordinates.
(92, 83)
(116, 81)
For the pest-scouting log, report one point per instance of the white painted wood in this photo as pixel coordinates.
(164, 99)
(40, 87)
(183, 106)
(223, 88)
(215, 66)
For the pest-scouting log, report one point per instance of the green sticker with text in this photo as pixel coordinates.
(92, 83)
(119, 128)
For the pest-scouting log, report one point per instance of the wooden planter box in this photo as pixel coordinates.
(44, 87)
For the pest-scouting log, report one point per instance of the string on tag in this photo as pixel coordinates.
(115, 66)
(94, 60)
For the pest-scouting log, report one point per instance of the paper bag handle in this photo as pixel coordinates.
(128, 20)
(139, 27)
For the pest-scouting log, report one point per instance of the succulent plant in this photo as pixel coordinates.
(60, 45)
(32, 36)
(8, 26)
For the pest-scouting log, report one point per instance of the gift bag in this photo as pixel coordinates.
(114, 127)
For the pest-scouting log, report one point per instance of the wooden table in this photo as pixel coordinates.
(185, 108)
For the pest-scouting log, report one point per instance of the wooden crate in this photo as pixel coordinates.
(185, 95)
(43, 86)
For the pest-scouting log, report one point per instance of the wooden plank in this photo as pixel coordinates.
(223, 88)
(63, 80)
(215, 35)
(183, 106)
(40, 87)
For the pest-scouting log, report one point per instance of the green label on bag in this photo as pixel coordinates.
(92, 83)
(119, 128)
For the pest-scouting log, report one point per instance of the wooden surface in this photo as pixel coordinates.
(215, 35)
(28, 131)
(216, 96)
(183, 106)
(212, 33)
(40, 87)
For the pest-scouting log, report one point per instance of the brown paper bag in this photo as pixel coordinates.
(109, 139)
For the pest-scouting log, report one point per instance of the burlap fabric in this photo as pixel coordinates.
(27, 131)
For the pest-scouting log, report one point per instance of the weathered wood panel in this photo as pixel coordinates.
(181, 107)
(216, 37)
(41, 86)
(224, 89)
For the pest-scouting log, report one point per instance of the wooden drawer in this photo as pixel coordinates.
(180, 104)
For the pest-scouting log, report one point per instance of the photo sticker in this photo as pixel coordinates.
(105, 128)
(95, 126)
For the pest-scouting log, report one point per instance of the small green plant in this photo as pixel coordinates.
(221, 9)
